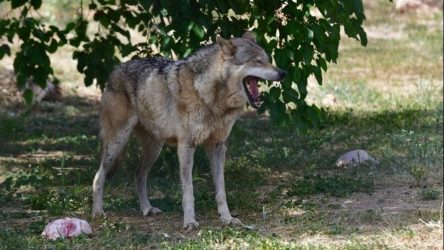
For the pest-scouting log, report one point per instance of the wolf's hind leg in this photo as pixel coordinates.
(151, 149)
(112, 149)
(117, 123)
(216, 155)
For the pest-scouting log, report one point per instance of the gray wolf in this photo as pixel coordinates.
(190, 102)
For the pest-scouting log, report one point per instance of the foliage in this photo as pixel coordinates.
(303, 37)
(430, 194)
(418, 172)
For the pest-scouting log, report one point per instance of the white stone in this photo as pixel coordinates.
(354, 157)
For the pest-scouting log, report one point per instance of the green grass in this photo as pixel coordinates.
(430, 194)
(341, 185)
(282, 183)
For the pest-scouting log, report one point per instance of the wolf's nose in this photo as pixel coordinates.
(282, 74)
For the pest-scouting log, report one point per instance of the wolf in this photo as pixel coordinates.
(189, 102)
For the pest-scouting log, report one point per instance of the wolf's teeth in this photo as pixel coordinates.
(252, 89)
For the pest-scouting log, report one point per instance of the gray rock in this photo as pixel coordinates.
(354, 158)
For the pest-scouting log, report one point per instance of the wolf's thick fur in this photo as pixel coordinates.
(188, 102)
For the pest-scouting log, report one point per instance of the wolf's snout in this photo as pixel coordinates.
(282, 74)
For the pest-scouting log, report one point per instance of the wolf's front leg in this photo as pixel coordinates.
(186, 154)
(216, 155)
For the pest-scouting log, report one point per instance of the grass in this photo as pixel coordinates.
(341, 185)
(430, 194)
(283, 184)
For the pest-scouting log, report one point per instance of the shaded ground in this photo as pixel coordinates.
(387, 100)
(274, 182)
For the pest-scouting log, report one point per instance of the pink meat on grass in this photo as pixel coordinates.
(66, 228)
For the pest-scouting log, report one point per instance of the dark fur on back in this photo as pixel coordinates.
(138, 70)
(135, 71)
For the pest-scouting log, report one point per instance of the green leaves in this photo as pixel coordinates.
(308, 51)
(318, 74)
(199, 31)
(97, 59)
(36, 3)
(362, 36)
(299, 42)
(357, 6)
(17, 3)
(28, 95)
(31, 61)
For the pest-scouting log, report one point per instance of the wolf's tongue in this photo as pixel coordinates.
(254, 89)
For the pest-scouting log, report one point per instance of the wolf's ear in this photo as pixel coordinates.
(226, 46)
(249, 35)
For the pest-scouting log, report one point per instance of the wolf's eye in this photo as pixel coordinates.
(258, 61)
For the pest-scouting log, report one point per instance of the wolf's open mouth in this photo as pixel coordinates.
(252, 89)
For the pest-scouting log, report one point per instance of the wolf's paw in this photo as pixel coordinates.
(98, 213)
(231, 221)
(151, 211)
(189, 226)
